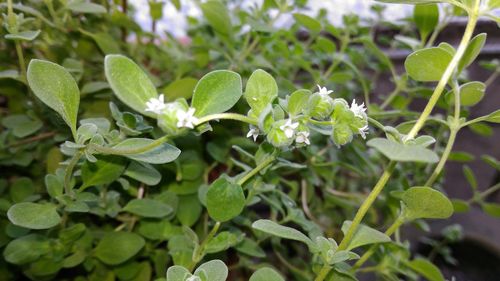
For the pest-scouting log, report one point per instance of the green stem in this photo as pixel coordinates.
(454, 128)
(366, 206)
(469, 31)
(323, 273)
(121, 151)
(200, 253)
(10, 13)
(389, 232)
(229, 116)
(489, 191)
(393, 94)
(257, 169)
(69, 172)
(20, 57)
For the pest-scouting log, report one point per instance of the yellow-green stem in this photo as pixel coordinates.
(229, 116)
(469, 31)
(200, 252)
(69, 172)
(366, 206)
(323, 273)
(257, 169)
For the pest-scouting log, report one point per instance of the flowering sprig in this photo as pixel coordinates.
(156, 105)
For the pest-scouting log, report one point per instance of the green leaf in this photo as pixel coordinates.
(225, 200)
(80, 6)
(492, 209)
(214, 270)
(426, 203)
(55, 87)
(143, 172)
(21, 189)
(481, 129)
(470, 177)
(26, 249)
(161, 154)
(148, 208)
(473, 49)
(426, 18)
(426, 269)
(275, 229)
(54, 186)
(25, 35)
(460, 206)
(34, 215)
(471, 93)
(222, 242)
(251, 248)
(117, 247)
(493, 117)
(297, 101)
(22, 125)
(266, 274)
(217, 16)
(308, 22)
(129, 82)
(177, 273)
(260, 91)
(106, 170)
(427, 65)
(105, 42)
(364, 235)
(216, 92)
(403, 152)
(189, 209)
(182, 88)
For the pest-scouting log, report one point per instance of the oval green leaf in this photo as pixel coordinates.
(364, 235)
(427, 65)
(266, 274)
(260, 91)
(129, 82)
(161, 154)
(148, 208)
(426, 203)
(217, 92)
(34, 215)
(225, 200)
(56, 88)
(403, 153)
(286, 232)
(117, 247)
(214, 270)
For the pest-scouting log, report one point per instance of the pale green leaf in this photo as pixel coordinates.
(473, 49)
(266, 274)
(216, 92)
(260, 91)
(148, 208)
(427, 64)
(225, 200)
(214, 270)
(426, 269)
(426, 203)
(403, 152)
(364, 235)
(426, 17)
(217, 16)
(55, 87)
(163, 153)
(117, 247)
(34, 215)
(275, 229)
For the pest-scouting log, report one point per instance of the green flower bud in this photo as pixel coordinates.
(320, 106)
(282, 133)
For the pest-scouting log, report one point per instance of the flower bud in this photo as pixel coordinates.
(342, 134)
(320, 106)
(279, 135)
(168, 118)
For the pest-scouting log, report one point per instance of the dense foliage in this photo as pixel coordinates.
(248, 153)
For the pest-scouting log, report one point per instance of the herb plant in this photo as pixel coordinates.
(231, 158)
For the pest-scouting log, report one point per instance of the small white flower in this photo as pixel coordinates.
(302, 137)
(363, 131)
(289, 128)
(186, 118)
(156, 105)
(323, 91)
(253, 132)
(358, 110)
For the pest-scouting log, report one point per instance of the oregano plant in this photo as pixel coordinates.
(249, 153)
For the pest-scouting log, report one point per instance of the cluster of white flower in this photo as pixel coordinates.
(359, 110)
(185, 118)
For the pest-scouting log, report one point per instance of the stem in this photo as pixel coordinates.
(229, 116)
(69, 172)
(198, 255)
(10, 13)
(366, 206)
(323, 273)
(454, 128)
(389, 232)
(257, 169)
(489, 191)
(33, 139)
(393, 94)
(469, 30)
(492, 78)
(118, 151)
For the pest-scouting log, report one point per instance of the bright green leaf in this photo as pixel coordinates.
(80, 6)
(214, 270)
(143, 172)
(217, 16)
(473, 49)
(148, 208)
(260, 91)
(182, 88)
(25, 35)
(106, 170)
(426, 269)
(426, 17)
(216, 92)
(266, 274)
(308, 22)
(491, 209)
(26, 249)
(160, 154)
(275, 229)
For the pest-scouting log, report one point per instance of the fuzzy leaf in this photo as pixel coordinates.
(364, 235)
(148, 208)
(425, 202)
(34, 215)
(117, 247)
(427, 64)
(225, 200)
(266, 274)
(403, 153)
(260, 91)
(275, 229)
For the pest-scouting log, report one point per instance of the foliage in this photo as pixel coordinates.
(128, 156)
